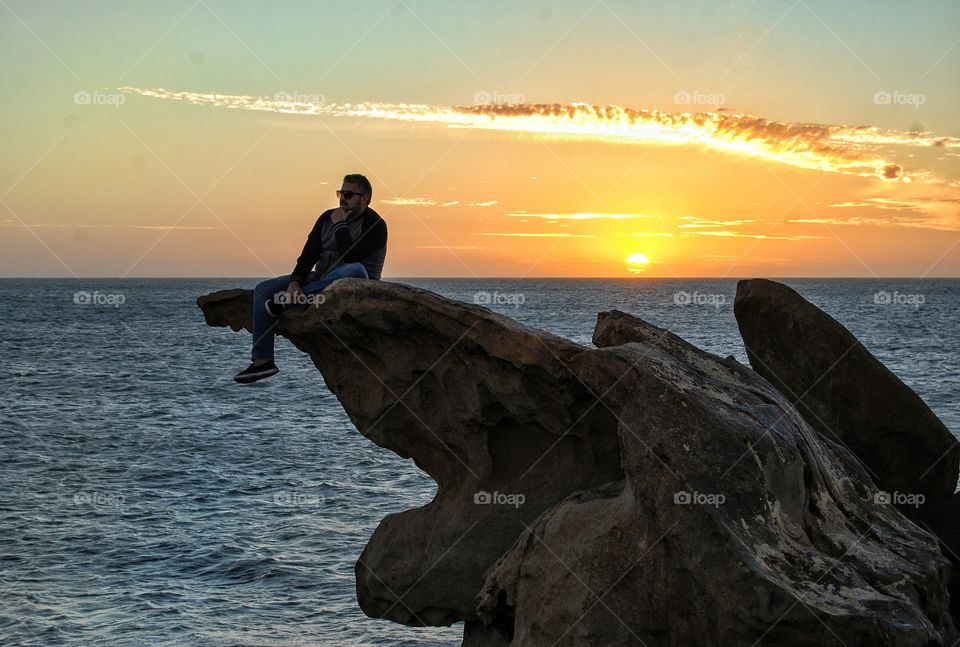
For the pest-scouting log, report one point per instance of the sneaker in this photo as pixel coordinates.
(274, 308)
(256, 372)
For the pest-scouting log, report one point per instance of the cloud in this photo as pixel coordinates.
(938, 224)
(488, 203)
(578, 216)
(61, 225)
(427, 202)
(739, 234)
(694, 223)
(168, 227)
(455, 247)
(890, 171)
(538, 235)
(849, 150)
(413, 202)
(922, 205)
(707, 227)
(918, 208)
(725, 259)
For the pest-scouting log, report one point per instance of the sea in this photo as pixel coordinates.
(147, 499)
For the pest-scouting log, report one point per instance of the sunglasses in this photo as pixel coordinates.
(347, 195)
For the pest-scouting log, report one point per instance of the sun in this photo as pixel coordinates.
(637, 262)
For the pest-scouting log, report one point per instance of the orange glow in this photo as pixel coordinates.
(709, 194)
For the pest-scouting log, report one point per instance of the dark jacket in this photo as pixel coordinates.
(361, 239)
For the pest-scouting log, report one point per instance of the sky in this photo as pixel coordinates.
(737, 138)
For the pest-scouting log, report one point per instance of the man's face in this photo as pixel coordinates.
(352, 199)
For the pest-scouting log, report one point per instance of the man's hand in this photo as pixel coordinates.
(339, 215)
(295, 292)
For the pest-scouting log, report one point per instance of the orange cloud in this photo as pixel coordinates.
(922, 205)
(578, 216)
(738, 234)
(850, 150)
(938, 224)
(61, 225)
(537, 235)
(692, 222)
(427, 202)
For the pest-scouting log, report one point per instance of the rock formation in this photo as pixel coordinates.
(645, 492)
(850, 397)
(486, 406)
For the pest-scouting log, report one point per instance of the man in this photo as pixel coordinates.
(347, 242)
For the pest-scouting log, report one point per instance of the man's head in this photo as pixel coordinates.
(355, 194)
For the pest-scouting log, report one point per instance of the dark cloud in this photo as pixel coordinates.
(891, 172)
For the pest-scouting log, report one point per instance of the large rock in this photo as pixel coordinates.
(736, 523)
(947, 529)
(670, 497)
(849, 396)
(486, 406)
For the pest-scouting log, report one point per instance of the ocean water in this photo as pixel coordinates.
(147, 499)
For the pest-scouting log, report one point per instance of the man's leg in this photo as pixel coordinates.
(263, 324)
(348, 271)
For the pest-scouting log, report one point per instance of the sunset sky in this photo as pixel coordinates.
(724, 139)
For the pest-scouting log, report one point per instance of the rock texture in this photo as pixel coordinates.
(847, 394)
(850, 397)
(947, 529)
(736, 523)
(670, 497)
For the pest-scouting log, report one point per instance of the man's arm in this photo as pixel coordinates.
(311, 252)
(371, 240)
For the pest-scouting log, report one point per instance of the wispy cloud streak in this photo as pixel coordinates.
(578, 216)
(738, 234)
(61, 225)
(536, 235)
(428, 202)
(936, 224)
(850, 150)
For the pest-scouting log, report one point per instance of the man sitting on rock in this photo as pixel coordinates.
(347, 242)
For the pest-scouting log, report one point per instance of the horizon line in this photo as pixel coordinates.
(493, 278)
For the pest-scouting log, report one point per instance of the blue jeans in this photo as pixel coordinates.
(264, 326)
